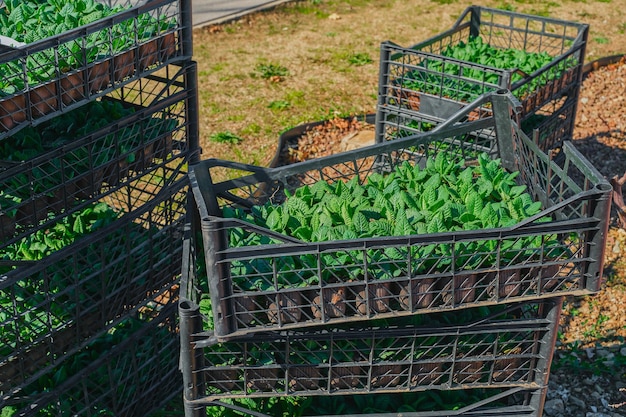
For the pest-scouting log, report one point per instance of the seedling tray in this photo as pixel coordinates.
(421, 79)
(504, 345)
(61, 72)
(70, 162)
(127, 371)
(276, 285)
(53, 307)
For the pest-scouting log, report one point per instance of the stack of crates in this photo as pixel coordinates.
(98, 124)
(422, 85)
(270, 314)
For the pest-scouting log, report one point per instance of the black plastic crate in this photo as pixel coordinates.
(484, 403)
(273, 283)
(52, 308)
(130, 370)
(552, 124)
(106, 51)
(504, 345)
(59, 167)
(423, 79)
(548, 127)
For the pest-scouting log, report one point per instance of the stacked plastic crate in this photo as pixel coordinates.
(97, 127)
(422, 85)
(266, 313)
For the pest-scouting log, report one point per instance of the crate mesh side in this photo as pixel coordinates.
(124, 163)
(55, 307)
(128, 371)
(511, 30)
(64, 71)
(505, 348)
(434, 86)
(529, 33)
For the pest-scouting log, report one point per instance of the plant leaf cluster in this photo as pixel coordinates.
(444, 196)
(27, 21)
(31, 294)
(72, 401)
(66, 231)
(455, 82)
(30, 20)
(48, 299)
(65, 129)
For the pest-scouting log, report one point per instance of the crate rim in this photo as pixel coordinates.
(510, 13)
(583, 28)
(469, 410)
(39, 45)
(208, 208)
(488, 324)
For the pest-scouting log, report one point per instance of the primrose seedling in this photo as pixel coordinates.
(272, 72)
(225, 137)
(360, 59)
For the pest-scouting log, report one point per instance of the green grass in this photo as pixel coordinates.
(268, 71)
(279, 105)
(226, 137)
(251, 129)
(573, 357)
(360, 58)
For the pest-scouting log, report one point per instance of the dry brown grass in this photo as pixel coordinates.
(314, 40)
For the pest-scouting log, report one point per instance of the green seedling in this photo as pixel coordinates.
(226, 137)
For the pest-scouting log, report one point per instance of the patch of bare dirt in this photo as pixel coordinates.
(600, 134)
(327, 138)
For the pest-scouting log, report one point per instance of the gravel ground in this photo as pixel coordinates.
(596, 324)
(588, 376)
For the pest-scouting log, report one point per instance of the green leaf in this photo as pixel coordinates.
(360, 223)
(346, 214)
(533, 208)
(436, 225)
(349, 234)
(489, 217)
(433, 182)
(274, 219)
(397, 201)
(474, 203)
(303, 233)
(321, 234)
(79, 225)
(381, 227)
(297, 206)
(392, 187)
(315, 220)
(402, 226)
(485, 188)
